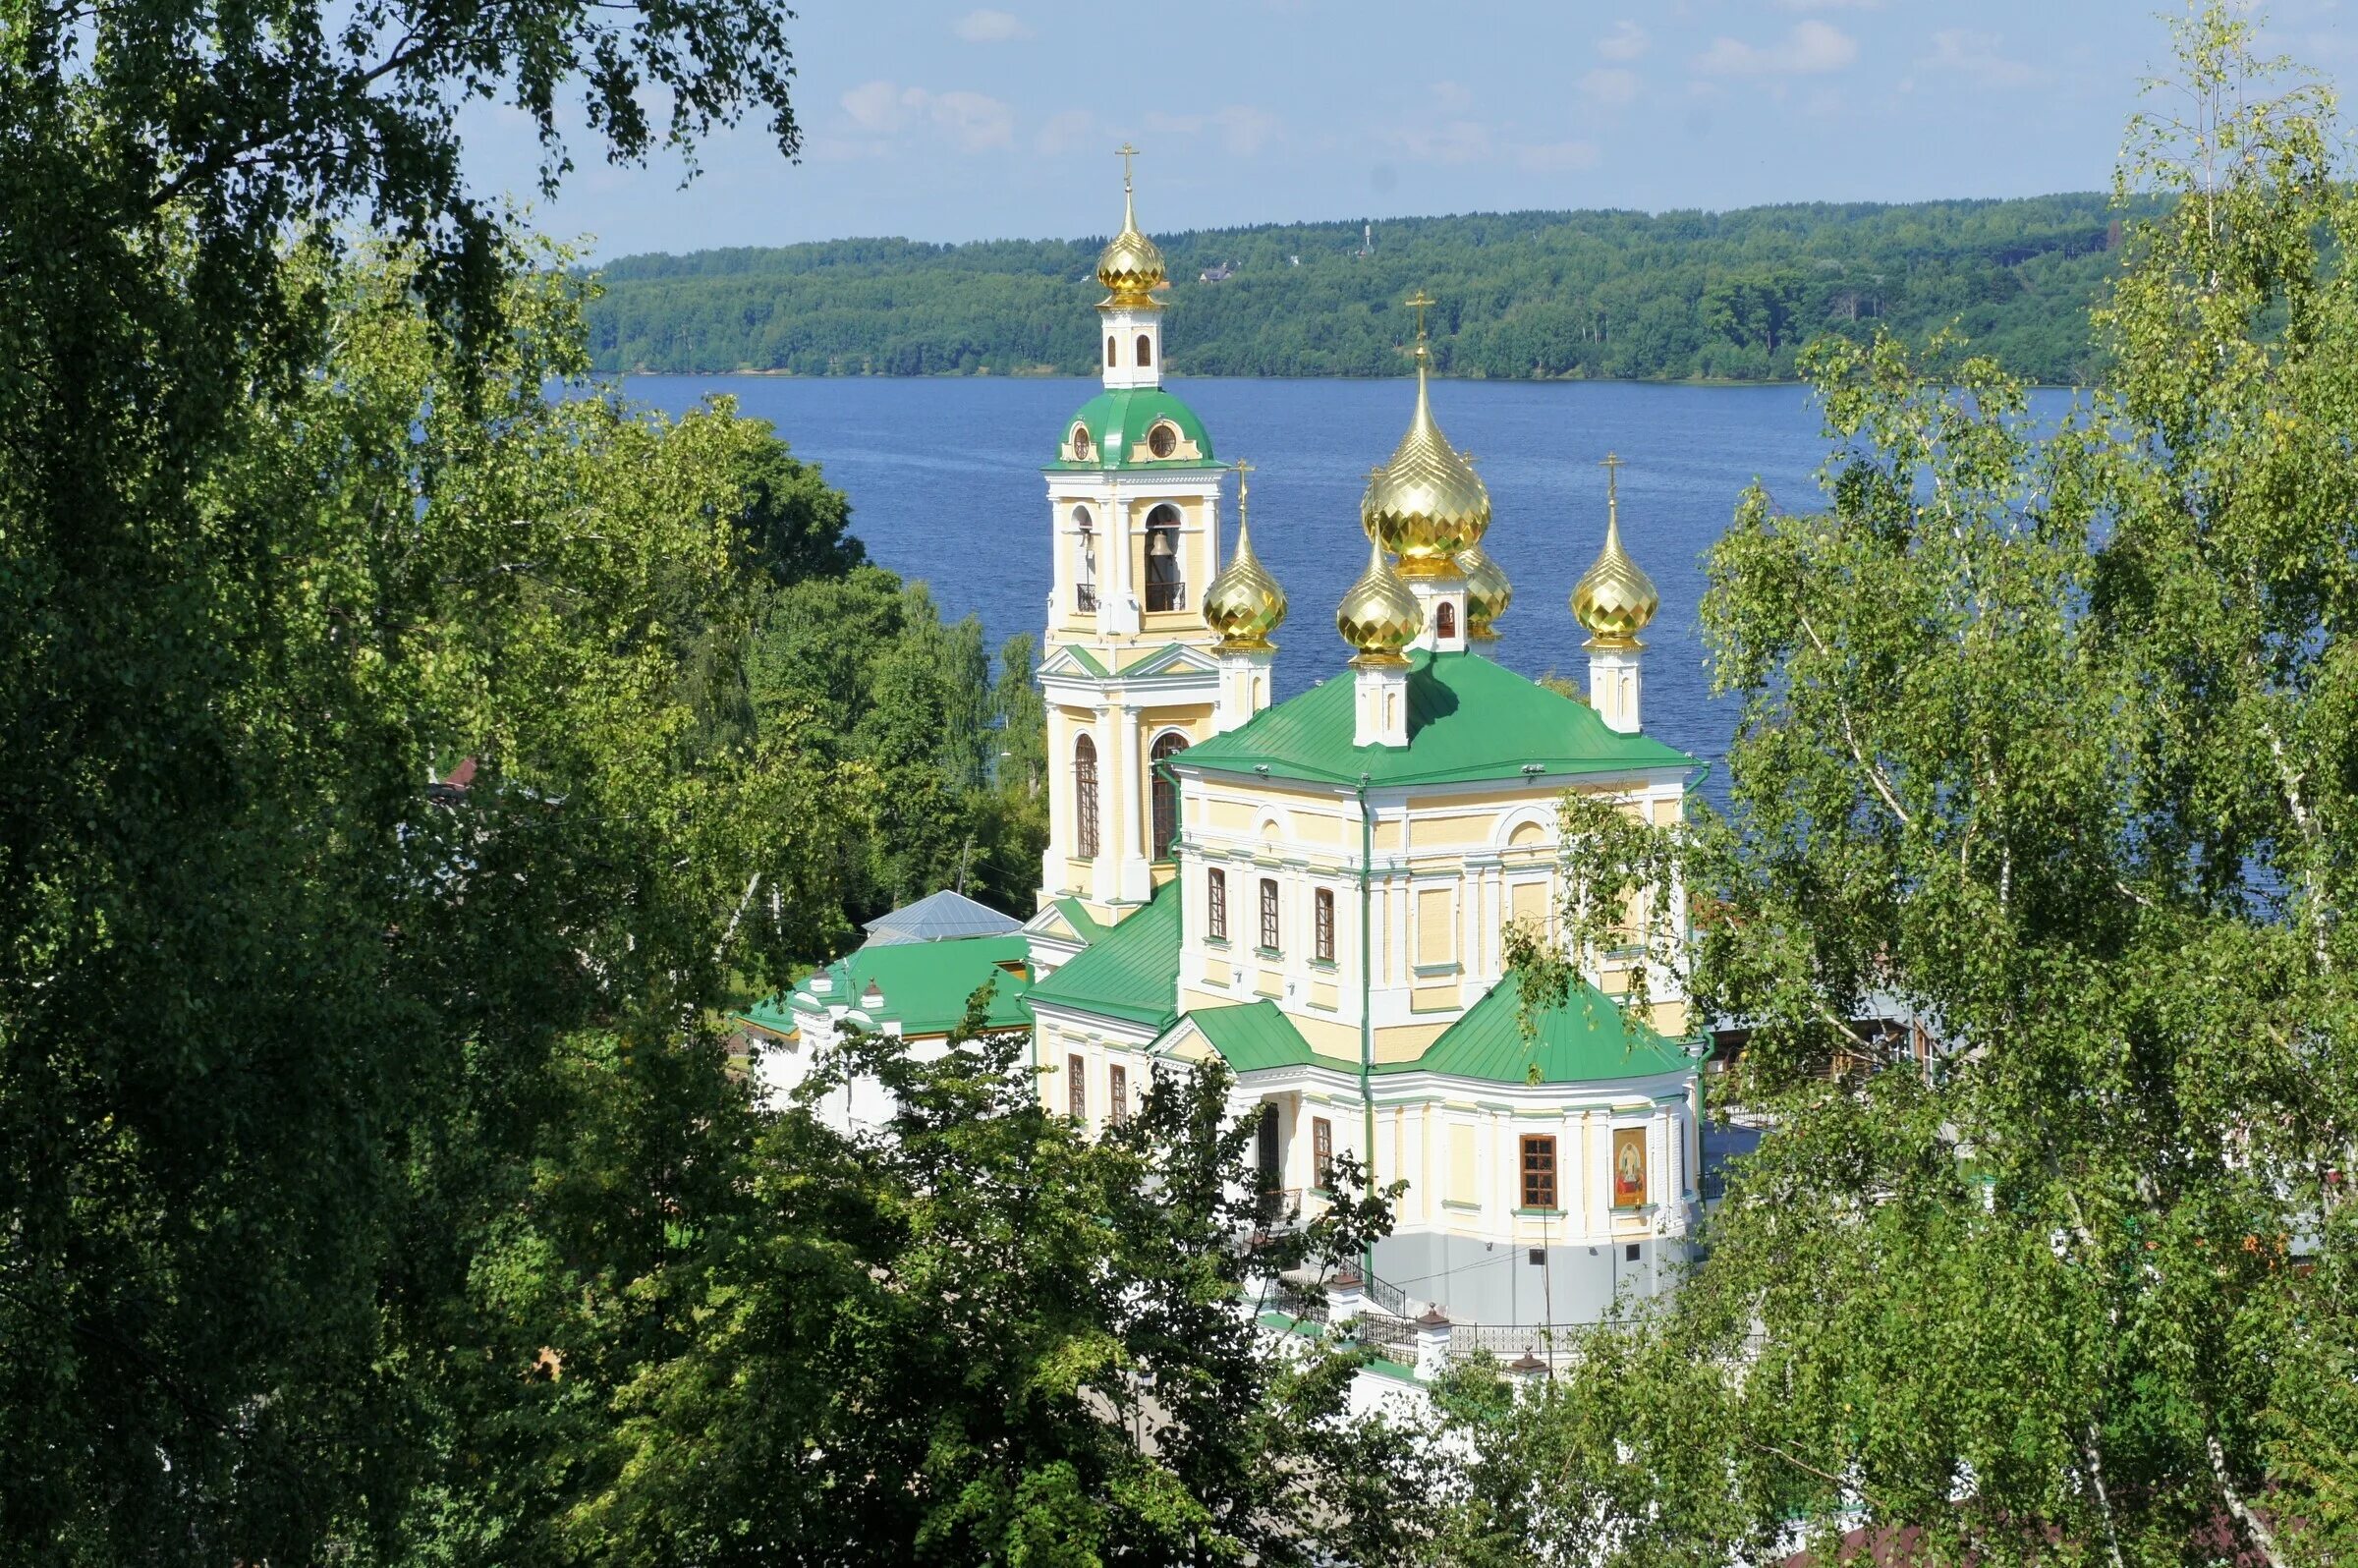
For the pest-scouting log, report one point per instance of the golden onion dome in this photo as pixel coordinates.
(1614, 600)
(1378, 615)
(1243, 603)
(1131, 265)
(1426, 503)
(1487, 592)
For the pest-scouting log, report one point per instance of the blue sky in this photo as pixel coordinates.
(950, 121)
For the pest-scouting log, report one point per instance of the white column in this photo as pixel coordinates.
(1613, 686)
(1382, 714)
(1243, 685)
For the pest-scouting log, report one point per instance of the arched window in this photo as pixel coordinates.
(1166, 586)
(1166, 795)
(1085, 578)
(1146, 349)
(1108, 351)
(1444, 620)
(1084, 798)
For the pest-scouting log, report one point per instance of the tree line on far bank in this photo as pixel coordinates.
(1726, 296)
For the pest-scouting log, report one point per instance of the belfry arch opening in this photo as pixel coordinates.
(1166, 579)
(1145, 351)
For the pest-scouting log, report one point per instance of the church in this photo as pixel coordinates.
(1315, 891)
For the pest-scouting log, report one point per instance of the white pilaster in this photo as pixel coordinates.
(1382, 715)
(1613, 686)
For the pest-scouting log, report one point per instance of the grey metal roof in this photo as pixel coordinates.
(938, 918)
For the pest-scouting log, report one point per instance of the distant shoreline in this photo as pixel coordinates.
(1082, 376)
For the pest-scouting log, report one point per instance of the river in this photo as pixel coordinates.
(945, 486)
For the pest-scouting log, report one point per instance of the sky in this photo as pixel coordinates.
(941, 120)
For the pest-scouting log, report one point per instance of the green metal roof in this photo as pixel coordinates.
(1132, 972)
(1119, 420)
(1256, 1035)
(924, 985)
(1076, 913)
(1583, 1040)
(1469, 717)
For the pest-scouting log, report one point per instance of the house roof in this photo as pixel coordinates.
(923, 987)
(1076, 913)
(939, 917)
(1585, 1038)
(1469, 717)
(1256, 1035)
(1131, 972)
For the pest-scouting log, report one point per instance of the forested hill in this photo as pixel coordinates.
(1729, 296)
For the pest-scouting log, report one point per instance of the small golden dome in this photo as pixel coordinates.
(1378, 615)
(1426, 503)
(1243, 603)
(1131, 264)
(1614, 600)
(1488, 593)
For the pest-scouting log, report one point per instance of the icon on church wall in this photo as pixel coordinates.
(1629, 1167)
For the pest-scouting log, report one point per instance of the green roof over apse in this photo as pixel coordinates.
(925, 986)
(1132, 972)
(1469, 718)
(1119, 420)
(1584, 1040)
(1256, 1035)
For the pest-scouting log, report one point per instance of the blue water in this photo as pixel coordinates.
(945, 486)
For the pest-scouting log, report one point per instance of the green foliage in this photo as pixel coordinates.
(1729, 296)
(982, 1335)
(2050, 736)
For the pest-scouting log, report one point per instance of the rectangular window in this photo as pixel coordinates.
(1215, 904)
(1323, 902)
(1076, 1072)
(1539, 1172)
(1322, 1152)
(1117, 1094)
(1268, 913)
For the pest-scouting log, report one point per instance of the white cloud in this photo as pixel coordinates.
(875, 107)
(975, 122)
(1450, 141)
(992, 26)
(1811, 48)
(1975, 55)
(1626, 42)
(1066, 131)
(1554, 157)
(1611, 84)
(1242, 129)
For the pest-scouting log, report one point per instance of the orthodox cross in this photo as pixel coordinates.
(1612, 477)
(1420, 301)
(1125, 152)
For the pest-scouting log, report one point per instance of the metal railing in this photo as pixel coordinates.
(1166, 596)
